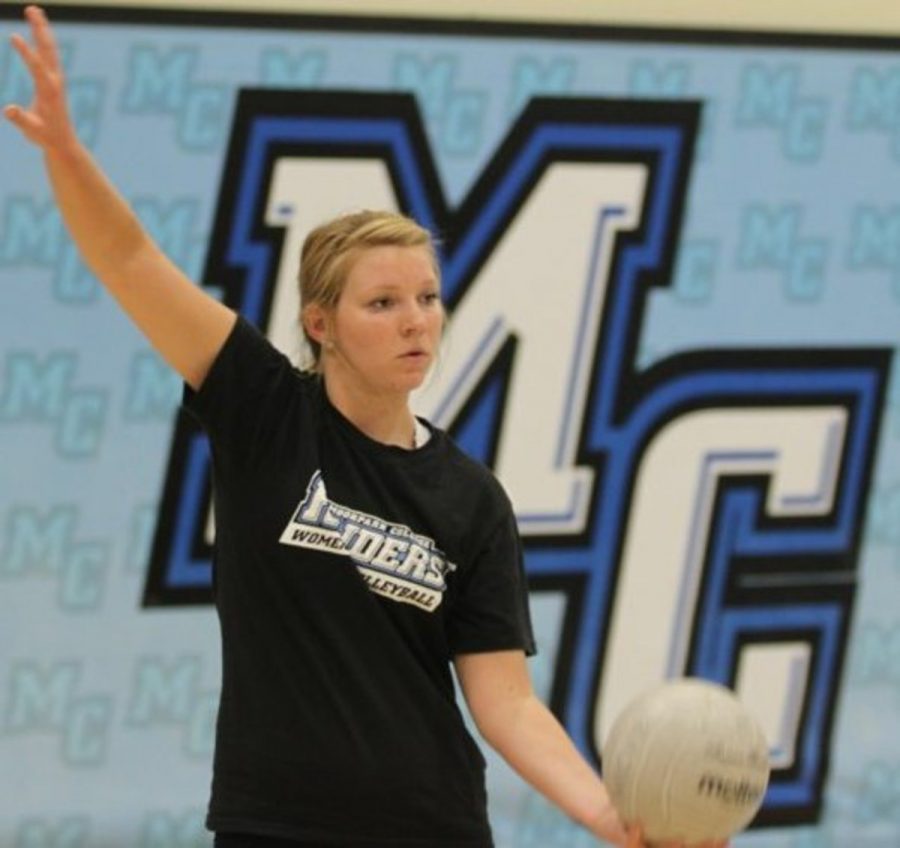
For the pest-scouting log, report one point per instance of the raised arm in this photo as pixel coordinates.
(185, 325)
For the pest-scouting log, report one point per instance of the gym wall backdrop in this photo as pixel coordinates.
(672, 261)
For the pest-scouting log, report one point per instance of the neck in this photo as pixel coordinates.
(385, 418)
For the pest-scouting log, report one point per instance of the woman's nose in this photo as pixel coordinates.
(413, 318)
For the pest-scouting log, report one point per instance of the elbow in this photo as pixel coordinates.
(487, 730)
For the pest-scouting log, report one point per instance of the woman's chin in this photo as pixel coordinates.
(412, 377)
(410, 383)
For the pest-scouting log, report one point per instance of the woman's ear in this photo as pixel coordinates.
(315, 322)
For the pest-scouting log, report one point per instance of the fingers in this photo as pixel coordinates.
(42, 60)
(29, 56)
(635, 838)
(43, 37)
(45, 122)
(29, 124)
(27, 121)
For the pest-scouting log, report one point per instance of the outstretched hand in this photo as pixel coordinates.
(635, 839)
(609, 826)
(46, 121)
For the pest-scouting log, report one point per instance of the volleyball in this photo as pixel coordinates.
(687, 762)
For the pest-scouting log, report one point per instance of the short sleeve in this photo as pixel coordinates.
(490, 610)
(248, 383)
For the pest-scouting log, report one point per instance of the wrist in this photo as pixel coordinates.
(67, 150)
(604, 821)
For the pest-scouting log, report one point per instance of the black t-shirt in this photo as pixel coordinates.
(347, 574)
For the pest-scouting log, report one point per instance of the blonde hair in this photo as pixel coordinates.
(330, 249)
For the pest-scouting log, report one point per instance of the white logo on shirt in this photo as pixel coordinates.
(394, 561)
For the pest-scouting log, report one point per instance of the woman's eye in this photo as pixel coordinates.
(430, 298)
(381, 303)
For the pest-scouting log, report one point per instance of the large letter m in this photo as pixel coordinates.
(700, 516)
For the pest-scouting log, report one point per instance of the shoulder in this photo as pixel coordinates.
(250, 381)
(248, 348)
(473, 479)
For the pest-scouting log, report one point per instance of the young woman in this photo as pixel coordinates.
(359, 553)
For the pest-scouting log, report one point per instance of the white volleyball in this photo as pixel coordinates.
(686, 761)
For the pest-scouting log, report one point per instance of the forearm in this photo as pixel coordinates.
(180, 320)
(183, 323)
(536, 746)
(106, 231)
